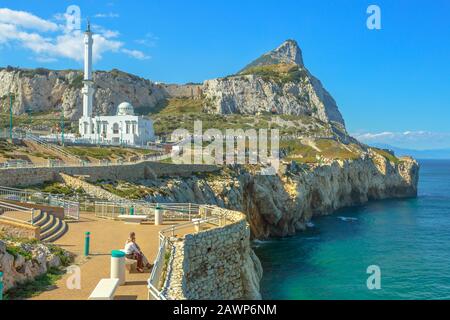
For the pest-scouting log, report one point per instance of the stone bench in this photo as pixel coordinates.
(105, 290)
(130, 264)
(132, 219)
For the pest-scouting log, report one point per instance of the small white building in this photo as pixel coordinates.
(123, 128)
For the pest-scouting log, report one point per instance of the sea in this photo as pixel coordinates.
(390, 249)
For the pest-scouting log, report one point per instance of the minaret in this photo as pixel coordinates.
(88, 89)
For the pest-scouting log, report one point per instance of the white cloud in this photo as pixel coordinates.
(149, 40)
(105, 32)
(44, 59)
(50, 41)
(107, 15)
(26, 20)
(136, 54)
(407, 139)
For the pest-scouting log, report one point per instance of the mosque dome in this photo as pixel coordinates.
(125, 109)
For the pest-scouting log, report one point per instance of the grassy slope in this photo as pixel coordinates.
(181, 113)
(107, 152)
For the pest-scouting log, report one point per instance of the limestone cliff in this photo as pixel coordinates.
(281, 205)
(42, 90)
(277, 82)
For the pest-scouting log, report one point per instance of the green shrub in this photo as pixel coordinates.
(16, 251)
(77, 82)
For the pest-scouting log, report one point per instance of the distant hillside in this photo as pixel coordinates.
(418, 154)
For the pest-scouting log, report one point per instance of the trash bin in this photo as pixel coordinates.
(118, 266)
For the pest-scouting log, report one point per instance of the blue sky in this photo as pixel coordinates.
(393, 81)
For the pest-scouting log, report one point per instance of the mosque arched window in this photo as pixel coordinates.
(116, 128)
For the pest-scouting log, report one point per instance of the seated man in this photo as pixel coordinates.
(133, 251)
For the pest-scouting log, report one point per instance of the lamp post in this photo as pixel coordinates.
(62, 127)
(10, 117)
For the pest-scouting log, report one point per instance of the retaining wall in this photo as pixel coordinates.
(214, 264)
(19, 230)
(22, 177)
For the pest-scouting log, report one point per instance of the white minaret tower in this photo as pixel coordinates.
(88, 89)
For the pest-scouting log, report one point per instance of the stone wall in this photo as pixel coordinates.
(90, 189)
(18, 230)
(214, 264)
(22, 177)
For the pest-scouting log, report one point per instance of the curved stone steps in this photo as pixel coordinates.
(54, 229)
(41, 219)
(38, 217)
(49, 224)
(54, 226)
(59, 232)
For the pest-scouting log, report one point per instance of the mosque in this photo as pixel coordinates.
(124, 127)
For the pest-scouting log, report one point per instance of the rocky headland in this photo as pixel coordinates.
(323, 168)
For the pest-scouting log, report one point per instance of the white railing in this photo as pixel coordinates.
(75, 160)
(11, 207)
(53, 147)
(71, 208)
(154, 282)
(171, 211)
(51, 164)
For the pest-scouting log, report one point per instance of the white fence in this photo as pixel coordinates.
(76, 161)
(10, 207)
(171, 211)
(71, 208)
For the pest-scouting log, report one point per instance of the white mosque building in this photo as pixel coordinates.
(123, 128)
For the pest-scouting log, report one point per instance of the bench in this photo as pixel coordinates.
(130, 264)
(132, 219)
(105, 290)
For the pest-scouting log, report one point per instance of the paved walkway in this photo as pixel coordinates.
(106, 235)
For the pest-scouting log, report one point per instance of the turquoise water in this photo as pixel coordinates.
(408, 239)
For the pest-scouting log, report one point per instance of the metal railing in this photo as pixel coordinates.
(207, 214)
(52, 147)
(171, 211)
(81, 163)
(71, 208)
(155, 280)
(11, 207)
(75, 161)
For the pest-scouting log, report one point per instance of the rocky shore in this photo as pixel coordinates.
(281, 205)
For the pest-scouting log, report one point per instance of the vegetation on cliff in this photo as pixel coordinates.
(281, 73)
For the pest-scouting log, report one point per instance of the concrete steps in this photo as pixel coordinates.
(52, 228)
(40, 218)
(62, 229)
